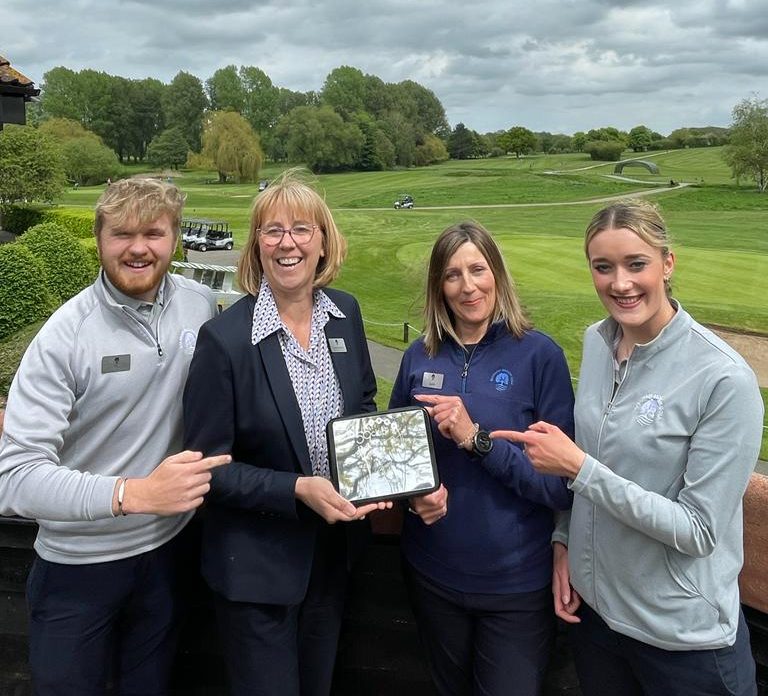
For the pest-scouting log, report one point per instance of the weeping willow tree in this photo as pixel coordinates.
(232, 146)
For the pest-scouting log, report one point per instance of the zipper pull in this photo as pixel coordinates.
(159, 351)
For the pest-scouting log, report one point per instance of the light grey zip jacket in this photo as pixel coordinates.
(655, 534)
(97, 397)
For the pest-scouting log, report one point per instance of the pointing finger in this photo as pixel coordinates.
(512, 435)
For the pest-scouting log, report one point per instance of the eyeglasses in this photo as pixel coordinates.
(301, 233)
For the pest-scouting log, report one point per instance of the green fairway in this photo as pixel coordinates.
(719, 228)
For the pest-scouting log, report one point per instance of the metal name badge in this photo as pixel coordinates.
(115, 363)
(432, 380)
(337, 345)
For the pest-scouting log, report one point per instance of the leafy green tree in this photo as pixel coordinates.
(146, 115)
(62, 94)
(225, 90)
(288, 100)
(31, 166)
(63, 129)
(402, 134)
(168, 149)
(345, 91)
(679, 137)
(184, 103)
(431, 150)
(377, 151)
(747, 154)
(87, 160)
(260, 99)
(519, 140)
(605, 150)
(378, 96)
(230, 143)
(607, 134)
(579, 140)
(640, 138)
(462, 143)
(319, 137)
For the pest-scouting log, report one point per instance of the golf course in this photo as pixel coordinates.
(537, 208)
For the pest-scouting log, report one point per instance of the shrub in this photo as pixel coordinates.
(18, 218)
(91, 250)
(24, 296)
(66, 264)
(604, 150)
(79, 225)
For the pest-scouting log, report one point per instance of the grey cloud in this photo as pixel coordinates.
(492, 63)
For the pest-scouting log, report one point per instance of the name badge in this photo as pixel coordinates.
(337, 345)
(432, 380)
(115, 363)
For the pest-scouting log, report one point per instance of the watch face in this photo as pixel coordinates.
(483, 442)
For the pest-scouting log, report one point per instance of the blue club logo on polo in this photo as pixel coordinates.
(649, 409)
(502, 380)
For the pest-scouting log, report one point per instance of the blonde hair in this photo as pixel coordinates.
(641, 217)
(141, 199)
(297, 195)
(438, 317)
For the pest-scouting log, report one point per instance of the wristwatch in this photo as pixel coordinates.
(482, 443)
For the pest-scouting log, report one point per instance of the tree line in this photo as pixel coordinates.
(235, 119)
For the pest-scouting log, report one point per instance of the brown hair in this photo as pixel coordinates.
(438, 318)
(292, 191)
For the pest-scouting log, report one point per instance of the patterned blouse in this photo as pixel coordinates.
(314, 380)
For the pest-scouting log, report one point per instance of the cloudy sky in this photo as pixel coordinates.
(554, 65)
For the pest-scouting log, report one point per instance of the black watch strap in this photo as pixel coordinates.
(482, 443)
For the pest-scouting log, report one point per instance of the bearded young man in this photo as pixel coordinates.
(90, 450)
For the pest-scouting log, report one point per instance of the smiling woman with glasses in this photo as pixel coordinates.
(267, 376)
(301, 233)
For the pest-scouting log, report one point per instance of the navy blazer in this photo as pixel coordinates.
(258, 540)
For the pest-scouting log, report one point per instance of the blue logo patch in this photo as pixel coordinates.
(649, 409)
(502, 380)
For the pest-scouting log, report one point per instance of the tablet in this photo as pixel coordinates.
(382, 456)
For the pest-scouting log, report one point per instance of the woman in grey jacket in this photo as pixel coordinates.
(668, 429)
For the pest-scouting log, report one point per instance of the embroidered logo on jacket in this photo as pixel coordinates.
(649, 409)
(187, 340)
(502, 380)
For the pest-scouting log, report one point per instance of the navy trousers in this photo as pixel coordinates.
(481, 643)
(609, 663)
(98, 623)
(289, 650)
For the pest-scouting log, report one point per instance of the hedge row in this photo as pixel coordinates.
(18, 219)
(67, 265)
(43, 268)
(24, 296)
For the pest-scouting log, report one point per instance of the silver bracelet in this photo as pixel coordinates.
(120, 496)
(468, 439)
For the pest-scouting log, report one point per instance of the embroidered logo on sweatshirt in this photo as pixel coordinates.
(187, 340)
(502, 380)
(649, 409)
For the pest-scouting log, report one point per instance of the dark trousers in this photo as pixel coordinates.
(100, 622)
(482, 643)
(289, 650)
(609, 663)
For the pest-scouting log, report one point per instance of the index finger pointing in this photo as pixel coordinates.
(513, 435)
(431, 398)
(213, 462)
